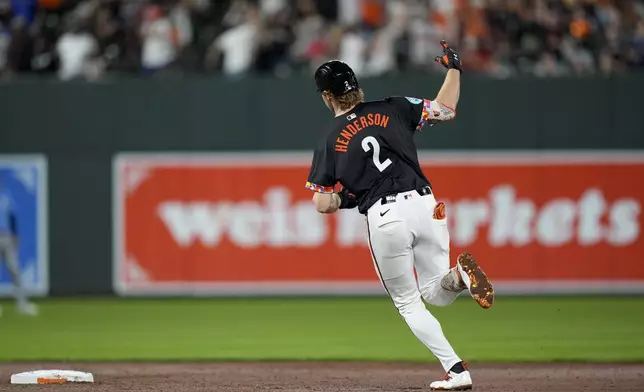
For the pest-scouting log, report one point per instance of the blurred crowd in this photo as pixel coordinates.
(91, 39)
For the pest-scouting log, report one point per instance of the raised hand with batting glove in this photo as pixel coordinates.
(450, 59)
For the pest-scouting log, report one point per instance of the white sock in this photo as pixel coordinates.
(452, 281)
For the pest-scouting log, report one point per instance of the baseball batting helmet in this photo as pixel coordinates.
(337, 77)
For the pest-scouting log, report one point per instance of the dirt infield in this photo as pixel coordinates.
(340, 377)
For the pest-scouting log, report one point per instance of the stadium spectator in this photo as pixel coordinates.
(275, 39)
(160, 40)
(238, 45)
(548, 66)
(4, 45)
(310, 45)
(353, 49)
(77, 49)
(637, 44)
(19, 50)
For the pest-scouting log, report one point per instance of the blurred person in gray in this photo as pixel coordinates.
(236, 48)
(159, 38)
(78, 50)
(352, 49)
(310, 35)
(9, 246)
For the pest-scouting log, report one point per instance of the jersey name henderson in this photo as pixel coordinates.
(360, 123)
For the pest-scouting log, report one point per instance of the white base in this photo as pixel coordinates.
(51, 377)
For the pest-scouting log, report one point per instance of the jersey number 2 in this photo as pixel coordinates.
(370, 142)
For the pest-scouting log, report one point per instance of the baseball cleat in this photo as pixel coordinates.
(475, 279)
(453, 382)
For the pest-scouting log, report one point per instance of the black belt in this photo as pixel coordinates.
(423, 191)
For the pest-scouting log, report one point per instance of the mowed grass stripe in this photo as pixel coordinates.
(589, 329)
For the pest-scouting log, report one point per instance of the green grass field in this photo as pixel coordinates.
(369, 329)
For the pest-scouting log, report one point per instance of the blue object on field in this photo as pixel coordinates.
(23, 179)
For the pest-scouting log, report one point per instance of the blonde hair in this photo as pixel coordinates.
(349, 100)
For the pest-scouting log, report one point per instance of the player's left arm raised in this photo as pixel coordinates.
(417, 113)
(447, 98)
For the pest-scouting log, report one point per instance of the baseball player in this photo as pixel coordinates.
(9, 241)
(369, 149)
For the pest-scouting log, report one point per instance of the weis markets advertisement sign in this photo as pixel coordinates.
(244, 223)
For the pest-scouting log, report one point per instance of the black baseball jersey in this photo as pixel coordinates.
(371, 152)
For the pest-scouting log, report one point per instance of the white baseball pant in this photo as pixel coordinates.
(403, 236)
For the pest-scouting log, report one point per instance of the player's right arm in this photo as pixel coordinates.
(322, 181)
